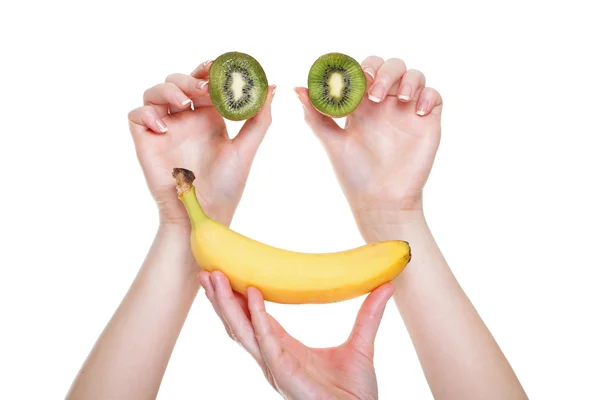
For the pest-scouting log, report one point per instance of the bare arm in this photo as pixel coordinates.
(382, 159)
(459, 356)
(131, 355)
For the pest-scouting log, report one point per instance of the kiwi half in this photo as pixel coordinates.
(336, 84)
(238, 85)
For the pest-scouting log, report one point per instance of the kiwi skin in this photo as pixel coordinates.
(254, 75)
(355, 84)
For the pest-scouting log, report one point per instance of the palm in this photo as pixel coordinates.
(342, 371)
(295, 370)
(169, 132)
(385, 152)
(374, 133)
(197, 140)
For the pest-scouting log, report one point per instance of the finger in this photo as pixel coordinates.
(390, 73)
(290, 380)
(241, 327)
(202, 70)
(193, 88)
(207, 284)
(430, 102)
(369, 317)
(277, 328)
(326, 129)
(285, 337)
(411, 84)
(254, 129)
(209, 291)
(164, 96)
(371, 65)
(268, 341)
(146, 117)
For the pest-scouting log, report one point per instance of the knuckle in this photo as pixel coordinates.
(148, 92)
(397, 62)
(170, 87)
(431, 92)
(151, 92)
(147, 111)
(171, 78)
(373, 60)
(416, 73)
(131, 114)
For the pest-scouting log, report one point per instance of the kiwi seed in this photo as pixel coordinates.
(336, 84)
(238, 85)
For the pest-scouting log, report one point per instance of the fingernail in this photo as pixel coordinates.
(405, 92)
(377, 92)
(201, 84)
(161, 125)
(274, 89)
(369, 72)
(183, 99)
(201, 66)
(422, 108)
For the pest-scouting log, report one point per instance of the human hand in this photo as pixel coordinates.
(293, 369)
(169, 133)
(383, 156)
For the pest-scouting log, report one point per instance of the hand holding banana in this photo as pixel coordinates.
(238, 89)
(391, 136)
(284, 276)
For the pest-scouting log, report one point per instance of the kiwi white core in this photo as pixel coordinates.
(237, 85)
(336, 85)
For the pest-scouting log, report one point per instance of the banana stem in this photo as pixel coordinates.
(186, 192)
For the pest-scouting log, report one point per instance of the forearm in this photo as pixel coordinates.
(130, 357)
(459, 356)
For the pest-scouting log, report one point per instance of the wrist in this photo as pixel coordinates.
(182, 223)
(172, 243)
(174, 229)
(388, 222)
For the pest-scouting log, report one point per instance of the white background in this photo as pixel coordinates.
(512, 199)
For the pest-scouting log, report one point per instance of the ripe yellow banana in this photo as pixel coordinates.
(285, 276)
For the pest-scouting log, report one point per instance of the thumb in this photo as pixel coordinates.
(368, 319)
(322, 125)
(254, 129)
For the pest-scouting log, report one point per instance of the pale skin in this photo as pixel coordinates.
(130, 357)
(382, 159)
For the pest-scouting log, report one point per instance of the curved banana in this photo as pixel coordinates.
(284, 276)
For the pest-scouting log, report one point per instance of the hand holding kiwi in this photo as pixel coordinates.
(239, 85)
(336, 84)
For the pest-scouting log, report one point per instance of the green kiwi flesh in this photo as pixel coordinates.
(336, 84)
(238, 85)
